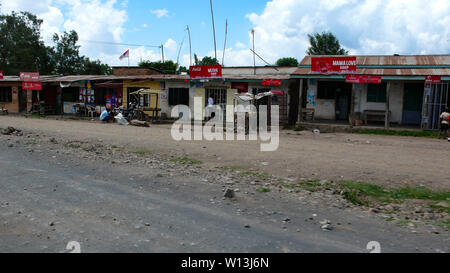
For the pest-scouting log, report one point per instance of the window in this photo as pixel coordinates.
(178, 96)
(71, 94)
(5, 94)
(219, 96)
(326, 90)
(376, 92)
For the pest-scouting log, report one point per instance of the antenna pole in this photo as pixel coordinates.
(254, 53)
(225, 45)
(214, 29)
(162, 53)
(190, 46)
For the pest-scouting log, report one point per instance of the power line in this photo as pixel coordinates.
(113, 43)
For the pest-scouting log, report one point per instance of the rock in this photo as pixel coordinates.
(229, 193)
(53, 140)
(443, 204)
(139, 123)
(327, 227)
(51, 224)
(325, 222)
(247, 226)
(8, 131)
(10, 145)
(287, 220)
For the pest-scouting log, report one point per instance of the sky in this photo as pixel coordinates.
(369, 27)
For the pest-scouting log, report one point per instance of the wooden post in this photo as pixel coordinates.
(351, 118)
(387, 123)
(300, 103)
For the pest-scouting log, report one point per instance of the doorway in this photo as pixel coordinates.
(412, 103)
(343, 100)
(22, 100)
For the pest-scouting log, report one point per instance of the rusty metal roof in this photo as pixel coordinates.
(424, 60)
(412, 65)
(388, 72)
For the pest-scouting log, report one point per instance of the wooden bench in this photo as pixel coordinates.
(308, 114)
(375, 115)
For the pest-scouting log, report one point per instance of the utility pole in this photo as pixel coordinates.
(190, 46)
(225, 45)
(162, 53)
(254, 53)
(214, 29)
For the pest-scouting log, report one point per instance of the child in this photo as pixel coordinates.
(444, 124)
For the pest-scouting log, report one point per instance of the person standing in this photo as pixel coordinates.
(444, 118)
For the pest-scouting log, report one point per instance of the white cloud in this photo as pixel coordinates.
(105, 24)
(363, 27)
(160, 13)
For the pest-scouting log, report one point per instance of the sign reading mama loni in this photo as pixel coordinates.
(205, 72)
(333, 65)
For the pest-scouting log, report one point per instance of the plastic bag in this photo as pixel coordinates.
(121, 120)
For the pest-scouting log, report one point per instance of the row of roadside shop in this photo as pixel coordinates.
(404, 90)
(61, 95)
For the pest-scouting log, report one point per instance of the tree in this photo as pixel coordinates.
(95, 68)
(208, 61)
(68, 60)
(183, 69)
(21, 48)
(289, 61)
(168, 67)
(67, 54)
(325, 44)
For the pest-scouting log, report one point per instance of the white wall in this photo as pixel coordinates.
(395, 101)
(325, 109)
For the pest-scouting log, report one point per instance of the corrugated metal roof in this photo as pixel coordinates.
(387, 72)
(412, 65)
(393, 60)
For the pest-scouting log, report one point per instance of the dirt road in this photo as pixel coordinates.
(51, 194)
(385, 160)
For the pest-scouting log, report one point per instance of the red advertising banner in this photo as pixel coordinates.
(433, 79)
(362, 79)
(29, 77)
(205, 72)
(31, 85)
(333, 65)
(271, 82)
(242, 87)
(1, 75)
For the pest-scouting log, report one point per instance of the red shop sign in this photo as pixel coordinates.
(333, 65)
(433, 79)
(205, 72)
(362, 79)
(1, 75)
(31, 85)
(271, 82)
(242, 87)
(29, 77)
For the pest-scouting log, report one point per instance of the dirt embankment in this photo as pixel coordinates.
(385, 160)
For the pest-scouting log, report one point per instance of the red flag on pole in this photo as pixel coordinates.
(125, 55)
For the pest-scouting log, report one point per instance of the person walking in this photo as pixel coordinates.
(444, 118)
